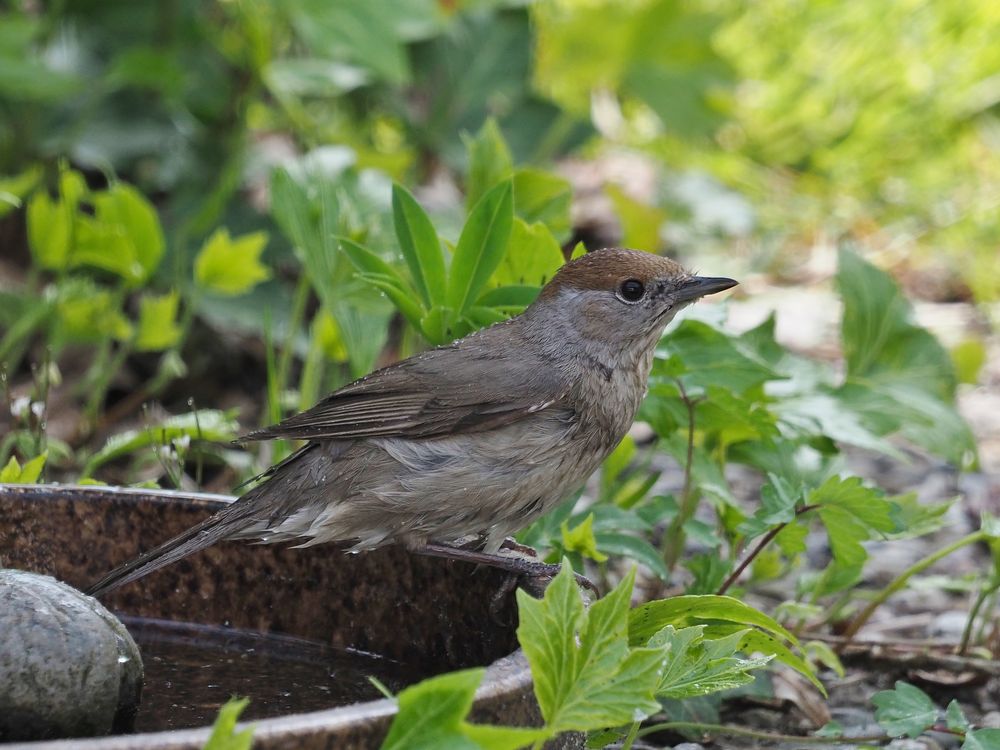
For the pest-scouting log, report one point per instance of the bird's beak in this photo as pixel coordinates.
(698, 286)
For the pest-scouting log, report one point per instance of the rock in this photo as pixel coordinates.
(68, 667)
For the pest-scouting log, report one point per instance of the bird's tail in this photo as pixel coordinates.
(213, 529)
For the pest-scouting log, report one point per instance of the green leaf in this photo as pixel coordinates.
(489, 161)
(131, 214)
(431, 712)
(722, 615)
(581, 539)
(982, 739)
(480, 246)
(10, 473)
(906, 710)
(956, 717)
(696, 665)
(377, 272)
(208, 425)
(778, 501)
(968, 357)
(231, 266)
(490, 737)
(585, 675)
(709, 357)
(420, 246)
(50, 231)
(14, 473)
(224, 735)
(508, 297)
(532, 257)
(633, 547)
(544, 197)
(640, 223)
(15, 188)
(899, 377)
(851, 513)
(87, 314)
(158, 328)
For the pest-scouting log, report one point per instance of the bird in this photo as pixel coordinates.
(471, 440)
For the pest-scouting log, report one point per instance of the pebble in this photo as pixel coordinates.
(68, 667)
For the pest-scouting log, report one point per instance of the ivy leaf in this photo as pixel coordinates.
(431, 712)
(906, 710)
(224, 735)
(586, 677)
(158, 328)
(231, 266)
(700, 666)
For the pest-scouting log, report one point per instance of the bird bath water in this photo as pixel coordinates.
(297, 631)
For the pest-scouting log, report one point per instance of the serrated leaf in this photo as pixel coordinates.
(481, 246)
(696, 665)
(421, 248)
(86, 313)
(231, 265)
(158, 328)
(585, 675)
(721, 615)
(778, 499)
(906, 710)
(224, 735)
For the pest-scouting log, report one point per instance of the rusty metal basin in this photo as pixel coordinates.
(433, 615)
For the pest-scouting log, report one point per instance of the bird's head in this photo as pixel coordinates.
(618, 296)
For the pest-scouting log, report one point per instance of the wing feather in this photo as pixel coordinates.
(436, 393)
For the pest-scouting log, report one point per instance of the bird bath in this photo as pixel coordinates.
(298, 631)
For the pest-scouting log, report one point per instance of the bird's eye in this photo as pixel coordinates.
(631, 290)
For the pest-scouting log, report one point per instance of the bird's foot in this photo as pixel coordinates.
(537, 574)
(510, 543)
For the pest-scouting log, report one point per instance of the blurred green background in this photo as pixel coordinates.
(780, 124)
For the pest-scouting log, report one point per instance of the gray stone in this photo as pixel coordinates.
(68, 667)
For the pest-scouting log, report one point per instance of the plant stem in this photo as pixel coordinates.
(765, 540)
(673, 540)
(633, 731)
(905, 576)
(760, 735)
(984, 594)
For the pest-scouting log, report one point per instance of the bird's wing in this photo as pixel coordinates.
(429, 395)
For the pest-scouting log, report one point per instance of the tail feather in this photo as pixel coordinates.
(213, 529)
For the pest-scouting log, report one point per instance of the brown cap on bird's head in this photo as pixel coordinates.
(617, 269)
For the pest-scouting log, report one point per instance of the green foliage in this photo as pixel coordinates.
(231, 266)
(432, 715)
(14, 473)
(224, 735)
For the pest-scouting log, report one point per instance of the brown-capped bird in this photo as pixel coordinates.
(479, 437)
